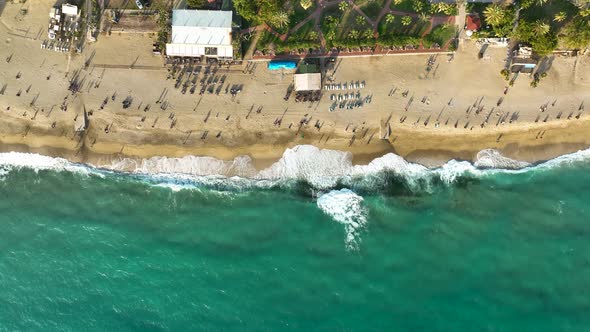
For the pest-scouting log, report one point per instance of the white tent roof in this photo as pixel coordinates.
(202, 27)
(201, 18)
(308, 82)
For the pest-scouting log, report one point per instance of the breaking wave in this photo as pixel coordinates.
(326, 175)
(317, 170)
(345, 207)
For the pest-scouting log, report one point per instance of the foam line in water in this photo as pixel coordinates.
(345, 207)
(37, 162)
(322, 169)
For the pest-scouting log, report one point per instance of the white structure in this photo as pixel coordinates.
(64, 20)
(198, 33)
(308, 82)
(68, 9)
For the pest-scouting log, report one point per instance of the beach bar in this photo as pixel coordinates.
(308, 82)
(201, 33)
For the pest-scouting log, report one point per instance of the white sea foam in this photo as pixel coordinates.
(37, 162)
(191, 165)
(322, 169)
(490, 158)
(345, 207)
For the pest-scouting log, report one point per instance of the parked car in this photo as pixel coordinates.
(139, 4)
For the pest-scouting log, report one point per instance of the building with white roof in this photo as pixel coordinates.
(197, 33)
(308, 82)
(63, 22)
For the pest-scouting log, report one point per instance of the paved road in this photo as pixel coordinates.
(460, 22)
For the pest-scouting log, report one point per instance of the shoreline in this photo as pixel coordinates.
(426, 147)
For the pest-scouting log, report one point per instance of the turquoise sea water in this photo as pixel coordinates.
(497, 251)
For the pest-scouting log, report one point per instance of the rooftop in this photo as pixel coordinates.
(201, 27)
(201, 18)
(308, 82)
(473, 22)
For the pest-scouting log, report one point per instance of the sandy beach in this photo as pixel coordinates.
(452, 112)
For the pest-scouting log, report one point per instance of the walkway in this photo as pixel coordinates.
(460, 22)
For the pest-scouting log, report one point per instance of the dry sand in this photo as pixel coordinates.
(123, 63)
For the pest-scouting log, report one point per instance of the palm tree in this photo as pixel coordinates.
(541, 27)
(331, 35)
(360, 20)
(560, 17)
(417, 5)
(397, 2)
(343, 5)
(280, 19)
(494, 14)
(541, 2)
(406, 20)
(424, 17)
(368, 34)
(354, 34)
(389, 18)
(305, 4)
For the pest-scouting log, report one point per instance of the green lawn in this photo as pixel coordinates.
(372, 8)
(441, 34)
(415, 29)
(349, 23)
(303, 33)
(406, 6)
(299, 14)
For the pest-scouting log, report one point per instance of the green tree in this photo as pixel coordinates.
(541, 27)
(306, 4)
(560, 17)
(423, 17)
(494, 14)
(259, 11)
(280, 19)
(195, 4)
(354, 34)
(442, 7)
(406, 20)
(247, 9)
(313, 35)
(418, 6)
(542, 44)
(331, 35)
(360, 20)
(343, 5)
(576, 34)
(389, 18)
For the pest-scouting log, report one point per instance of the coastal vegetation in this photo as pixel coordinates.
(290, 25)
(295, 25)
(544, 25)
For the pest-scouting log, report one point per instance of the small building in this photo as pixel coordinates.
(472, 23)
(201, 33)
(308, 82)
(63, 22)
(523, 60)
